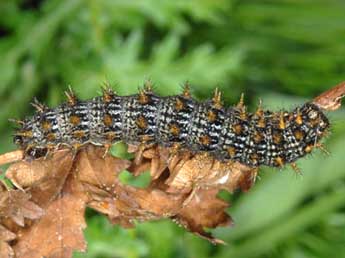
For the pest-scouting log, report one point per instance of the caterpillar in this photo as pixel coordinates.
(228, 134)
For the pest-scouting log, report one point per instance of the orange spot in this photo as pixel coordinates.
(282, 124)
(110, 136)
(107, 96)
(174, 130)
(299, 135)
(46, 125)
(72, 101)
(179, 105)
(308, 148)
(277, 138)
(78, 134)
(261, 122)
(211, 116)
(51, 137)
(107, 120)
(258, 137)
(238, 129)
(74, 120)
(232, 151)
(205, 140)
(259, 112)
(141, 122)
(279, 161)
(143, 98)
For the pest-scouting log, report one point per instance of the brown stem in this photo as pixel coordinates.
(331, 100)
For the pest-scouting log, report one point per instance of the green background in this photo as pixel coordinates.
(284, 52)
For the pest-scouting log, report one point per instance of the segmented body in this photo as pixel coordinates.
(260, 138)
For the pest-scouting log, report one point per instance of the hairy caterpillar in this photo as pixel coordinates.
(254, 139)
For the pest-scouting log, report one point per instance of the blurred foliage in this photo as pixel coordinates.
(283, 51)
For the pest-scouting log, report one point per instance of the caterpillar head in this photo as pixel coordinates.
(315, 119)
(27, 138)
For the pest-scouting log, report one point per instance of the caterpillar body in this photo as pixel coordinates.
(228, 134)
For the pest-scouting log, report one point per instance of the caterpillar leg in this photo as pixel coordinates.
(322, 148)
(296, 168)
(106, 150)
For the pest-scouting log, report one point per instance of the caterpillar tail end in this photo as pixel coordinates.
(331, 100)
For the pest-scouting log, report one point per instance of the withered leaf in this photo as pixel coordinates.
(16, 205)
(159, 160)
(203, 210)
(183, 188)
(122, 203)
(92, 168)
(203, 171)
(44, 178)
(154, 159)
(99, 176)
(136, 204)
(60, 231)
(191, 197)
(5, 236)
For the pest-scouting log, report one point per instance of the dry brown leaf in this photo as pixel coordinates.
(159, 160)
(204, 210)
(192, 188)
(203, 171)
(122, 203)
(43, 178)
(6, 236)
(136, 204)
(92, 168)
(60, 231)
(28, 173)
(24, 174)
(16, 205)
(154, 159)
(183, 188)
